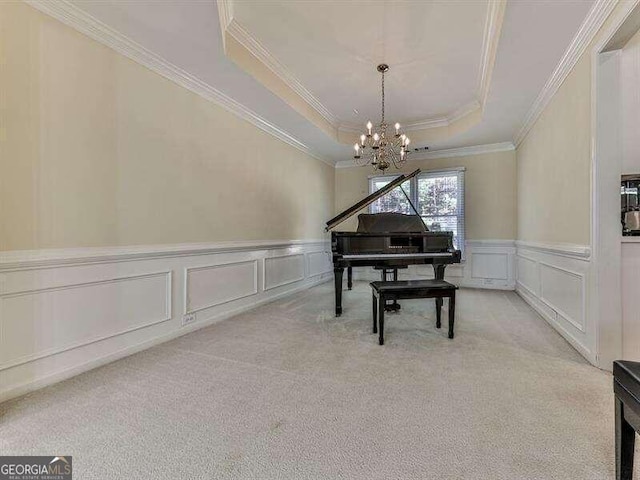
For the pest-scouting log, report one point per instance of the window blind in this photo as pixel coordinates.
(437, 194)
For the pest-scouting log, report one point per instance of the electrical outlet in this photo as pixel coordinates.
(188, 318)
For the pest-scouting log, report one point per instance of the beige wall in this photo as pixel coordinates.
(554, 161)
(554, 166)
(96, 150)
(490, 192)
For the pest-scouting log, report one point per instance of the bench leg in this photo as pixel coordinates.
(381, 303)
(438, 311)
(375, 313)
(452, 312)
(625, 440)
(395, 306)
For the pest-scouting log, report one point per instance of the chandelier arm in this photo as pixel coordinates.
(363, 160)
(383, 151)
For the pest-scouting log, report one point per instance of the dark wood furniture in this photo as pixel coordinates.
(387, 240)
(388, 275)
(626, 387)
(384, 291)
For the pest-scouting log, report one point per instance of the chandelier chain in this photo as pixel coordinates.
(378, 148)
(383, 97)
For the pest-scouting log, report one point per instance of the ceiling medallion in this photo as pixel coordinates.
(382, 151)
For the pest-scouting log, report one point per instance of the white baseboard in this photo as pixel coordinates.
(488, 264)
(67, 313)
(554, 279)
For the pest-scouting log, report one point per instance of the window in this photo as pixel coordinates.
(394, 201)
(437, 195)
(441, 203)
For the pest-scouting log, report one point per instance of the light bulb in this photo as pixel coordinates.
(397, 125)
(369, 125)
(376, 137)
(363, 137)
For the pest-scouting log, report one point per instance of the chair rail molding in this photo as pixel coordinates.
(66, 311)
(564, 249)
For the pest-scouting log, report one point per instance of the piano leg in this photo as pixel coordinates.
(438, 271)
(395, 306)
(337, 276)
(452, 313)
(349, 277)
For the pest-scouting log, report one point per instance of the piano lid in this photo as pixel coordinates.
(349, 212)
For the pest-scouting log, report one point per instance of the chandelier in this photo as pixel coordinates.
(376, 147)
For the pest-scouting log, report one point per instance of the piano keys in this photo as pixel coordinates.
(387, 241)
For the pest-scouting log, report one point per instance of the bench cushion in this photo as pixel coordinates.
(412, 285)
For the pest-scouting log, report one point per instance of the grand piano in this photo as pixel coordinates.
(387, 241)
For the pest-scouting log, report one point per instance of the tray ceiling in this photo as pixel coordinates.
(332, 48)
(462, 73)
(321, 58)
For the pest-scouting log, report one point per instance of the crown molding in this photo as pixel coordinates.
(81, 21)
(588, 30)
(492, 30)
(465, 151)
(423, 124)
(428, 123)
(491, 37)
(465, 110)
(237, 31)
(449, 153)
(225, 15)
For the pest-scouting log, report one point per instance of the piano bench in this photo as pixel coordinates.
(407, 289)
(626, 387)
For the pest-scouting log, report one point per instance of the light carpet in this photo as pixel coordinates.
(288, 391)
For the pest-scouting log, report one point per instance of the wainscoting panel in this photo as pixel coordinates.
(283, 270)
(487, 264)
(46, 321)
(564, 291)
(553, 279)
(63, 312)
(319, 263)
(528, 277)
(490, 265)
(213, 285)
